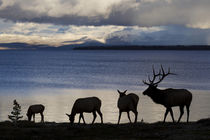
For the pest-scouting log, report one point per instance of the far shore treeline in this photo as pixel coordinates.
(25, 46)
(144, 48)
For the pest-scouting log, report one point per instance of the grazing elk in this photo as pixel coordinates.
(88, 105)
(127, 103)
(34, 109)
(168, 97)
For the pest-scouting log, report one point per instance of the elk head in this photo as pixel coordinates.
(71, 118)
(122, 93)
(151, 82)
(29, 116)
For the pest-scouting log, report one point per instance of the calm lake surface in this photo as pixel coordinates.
(57, 78)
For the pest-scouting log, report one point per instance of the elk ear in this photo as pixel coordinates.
(125, 91)
(68, 115)
(118, 91)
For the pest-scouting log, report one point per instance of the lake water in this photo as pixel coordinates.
(57, 78)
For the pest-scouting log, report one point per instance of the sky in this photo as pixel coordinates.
(113, 22)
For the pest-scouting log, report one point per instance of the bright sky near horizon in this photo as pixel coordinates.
(116, 22)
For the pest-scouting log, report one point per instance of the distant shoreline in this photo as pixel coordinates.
(24, 46)
(143, 48)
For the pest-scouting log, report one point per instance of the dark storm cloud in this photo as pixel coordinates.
(16, 14)
(191, 13)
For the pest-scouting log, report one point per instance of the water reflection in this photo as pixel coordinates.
(59, 102)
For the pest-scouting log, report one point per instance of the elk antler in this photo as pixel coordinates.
(154, 77)
(161, 76)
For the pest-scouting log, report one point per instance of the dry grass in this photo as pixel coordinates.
(63, 131)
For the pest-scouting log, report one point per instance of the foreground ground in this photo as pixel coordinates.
(62, 131)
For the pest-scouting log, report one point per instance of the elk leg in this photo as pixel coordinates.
(136, 116)
(80, 116)
(166, 113)
(34, 117)
(188, 113)
(83, 118)
(94, 116)
(42, 117)
(101, 115)
(119, 117)
(181, 113)
(172, 115)
(129, 116)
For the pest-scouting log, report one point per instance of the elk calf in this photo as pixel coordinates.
(88, 105)
(34, 109)
(127, 103)
(169, 97)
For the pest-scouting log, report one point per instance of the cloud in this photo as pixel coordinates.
(50, 34)
(173, 35)
(57, 35)
(143, 13)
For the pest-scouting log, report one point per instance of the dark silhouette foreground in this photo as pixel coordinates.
(55, 131)
(168, 97)
(88, 105)
(127, 103)
(34, 109)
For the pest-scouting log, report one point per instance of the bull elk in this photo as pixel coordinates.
(88, 105)
(168, 97)
(127, 103)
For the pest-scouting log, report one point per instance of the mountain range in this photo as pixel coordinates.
(95, 45)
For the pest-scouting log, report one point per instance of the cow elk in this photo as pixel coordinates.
(127, 103)
(34, 109)
(88, 105)
(168, 97)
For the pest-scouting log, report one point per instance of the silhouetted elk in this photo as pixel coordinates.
(88, 105)
(127, 103)
(168, 97)
(34, 109)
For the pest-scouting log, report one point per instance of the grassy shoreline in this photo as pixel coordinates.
(144, 131)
